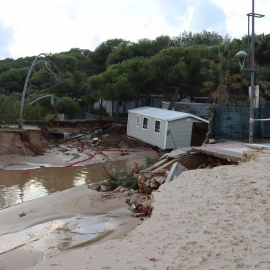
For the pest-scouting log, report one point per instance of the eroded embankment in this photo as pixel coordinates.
(29, 142)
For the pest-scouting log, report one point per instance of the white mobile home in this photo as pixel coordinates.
(162, 128)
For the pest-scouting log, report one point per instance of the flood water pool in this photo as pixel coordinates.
(20, 186)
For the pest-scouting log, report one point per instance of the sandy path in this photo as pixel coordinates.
(206, 219)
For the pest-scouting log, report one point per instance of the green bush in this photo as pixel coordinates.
(67, 106)
(49, 117)
(113, 185)
(130, 183)
(32, 112)
(97, 111)
(148, 162)
(9, 109)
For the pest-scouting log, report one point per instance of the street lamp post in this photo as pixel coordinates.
(251, 113)
(251, 68)
(20, 125)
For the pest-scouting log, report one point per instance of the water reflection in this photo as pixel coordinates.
(16, 187)
(33, 189)
(59, 234)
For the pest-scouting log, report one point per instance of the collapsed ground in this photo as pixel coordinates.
(34, 142)
(108, 136)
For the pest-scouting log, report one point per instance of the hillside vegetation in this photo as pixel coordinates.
(192, 64)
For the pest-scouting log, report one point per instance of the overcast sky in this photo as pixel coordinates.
(30, 27)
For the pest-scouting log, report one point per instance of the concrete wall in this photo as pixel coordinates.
(198, 109)
(81, 114)
(232, 123)
(267, 123)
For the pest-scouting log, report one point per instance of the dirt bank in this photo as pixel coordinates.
(34, 141)
(29, 142)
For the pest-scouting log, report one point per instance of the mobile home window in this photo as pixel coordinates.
(145, 123)
(157, 126)
(138, 121)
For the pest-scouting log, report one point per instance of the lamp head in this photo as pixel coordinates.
(242, 55)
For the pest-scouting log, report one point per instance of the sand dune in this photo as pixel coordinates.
(204, 219)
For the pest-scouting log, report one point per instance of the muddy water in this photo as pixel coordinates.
(20, 186)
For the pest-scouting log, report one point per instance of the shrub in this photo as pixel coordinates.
(9, 109)
(67, 106)
(148, 162)
(130, 183)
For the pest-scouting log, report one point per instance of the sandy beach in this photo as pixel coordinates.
(205, 219)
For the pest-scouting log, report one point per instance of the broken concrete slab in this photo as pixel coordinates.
(175, 171)
(257, 146)
(165, 156)
(252, 151)
(177, 153)
(220, 153)
(156, 165)
(165, 166)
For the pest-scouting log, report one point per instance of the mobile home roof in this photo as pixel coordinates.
(163, 114)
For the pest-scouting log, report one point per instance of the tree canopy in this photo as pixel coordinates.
(119, 70)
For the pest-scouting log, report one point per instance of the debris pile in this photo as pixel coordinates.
(139, 203)
(139, 209)
(109, 136)
(151, 178)
(115, 137)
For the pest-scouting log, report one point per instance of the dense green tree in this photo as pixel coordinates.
(100, 54)
(9, 108)
(157, 66)
(66, 63)
(67, 106)
(262, 78)
(169, 70)
(262, 49)
(144, 47)
(13, 79)
(193, 56)
(123, 52)
(207, 38)
(138, 73)
(114, 85)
